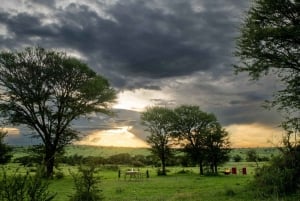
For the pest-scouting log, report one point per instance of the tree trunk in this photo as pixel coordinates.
(201, 168)
(49, 162)
(163, 163)
(216, 168)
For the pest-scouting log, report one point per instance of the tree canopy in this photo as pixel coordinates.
(46, 90)
(203, 137)
(158, 121)
(199, 134)
(270, 44)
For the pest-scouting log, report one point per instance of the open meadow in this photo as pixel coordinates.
(180, 184)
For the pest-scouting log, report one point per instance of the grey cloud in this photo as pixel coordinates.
(152, 44)
(141, 41)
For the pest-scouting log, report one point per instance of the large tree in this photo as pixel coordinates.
(46, 90)
(201, 135)
(270, 44)
(158, 122)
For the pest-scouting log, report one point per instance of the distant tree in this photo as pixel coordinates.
(237, 158)
(251, 156)
(5, 150)
(200, 134)
(46, 90)
(217, 147)
(158, 121)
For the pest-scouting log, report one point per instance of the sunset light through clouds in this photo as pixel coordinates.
(155, 52)
(119, 137)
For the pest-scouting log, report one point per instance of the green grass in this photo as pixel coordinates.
(104, 151)
(176, 186)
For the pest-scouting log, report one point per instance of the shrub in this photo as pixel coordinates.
(237, 158)
(86, 185)
(281, 176)
(24, 187)
(59, 175)
(252, 156)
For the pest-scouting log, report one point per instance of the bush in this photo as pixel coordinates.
(24, 187)
(282, 175)
(252, 156)
(86, 185)
(237, 158)
(59, 175)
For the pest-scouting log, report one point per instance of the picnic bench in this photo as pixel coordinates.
(133, 174)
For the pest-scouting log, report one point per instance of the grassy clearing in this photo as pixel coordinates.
(174, 187)
(104, 151)
(181, 184)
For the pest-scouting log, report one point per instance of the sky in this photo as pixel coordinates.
(153, 52)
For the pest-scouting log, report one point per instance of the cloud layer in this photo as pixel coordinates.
(166, 52)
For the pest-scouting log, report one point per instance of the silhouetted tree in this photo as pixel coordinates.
(46, 90)
(201, 135)
(158, 121)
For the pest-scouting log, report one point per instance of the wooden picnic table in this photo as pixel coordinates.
(133, 174)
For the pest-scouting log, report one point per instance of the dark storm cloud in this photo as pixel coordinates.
(139, 39)
(150, 45)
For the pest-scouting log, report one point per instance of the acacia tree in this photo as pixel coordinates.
(158, 121)
(270, 43)
(201, 135)
(46, 90)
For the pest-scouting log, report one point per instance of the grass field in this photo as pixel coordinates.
(181, 184)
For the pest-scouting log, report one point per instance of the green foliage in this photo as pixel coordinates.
(270, 44)
(281, 176)
(86, 185)
(237, 158)
(205, 141)
(252, 156)
(59, 175)
(158, 121)
(5, 150)
(62, 90)
(24, 187)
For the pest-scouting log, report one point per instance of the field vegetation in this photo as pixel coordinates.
(181, 183)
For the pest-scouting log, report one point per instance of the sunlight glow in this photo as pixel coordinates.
(11, 131)
(254, 135)
(139, 99)
(119, 137)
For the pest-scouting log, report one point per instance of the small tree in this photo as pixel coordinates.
(86, 185)
(158, 121)
(5, 150)
(46, 90)
(237, 158)
(217, 147)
